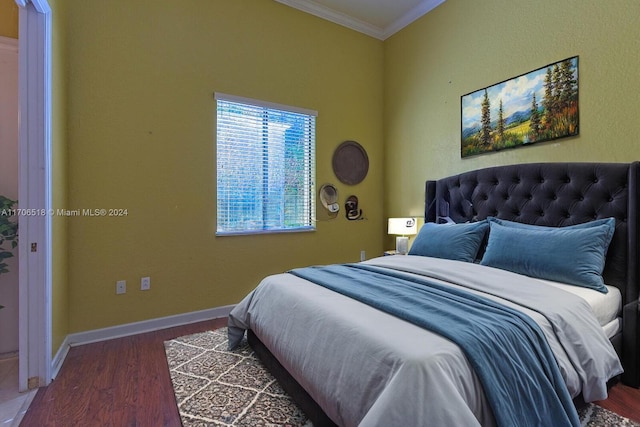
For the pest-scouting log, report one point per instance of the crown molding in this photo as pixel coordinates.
(420, 10)
(334, 16)
(316, 9)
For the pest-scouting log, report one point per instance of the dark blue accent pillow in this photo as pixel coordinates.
(458, 242)
(574, 255)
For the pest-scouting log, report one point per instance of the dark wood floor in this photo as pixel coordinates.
(623, 400)
(125, 382)
(119, 383)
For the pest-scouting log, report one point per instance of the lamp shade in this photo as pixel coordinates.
(402, 226)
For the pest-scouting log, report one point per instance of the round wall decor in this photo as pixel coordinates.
(329, 198)
(350, 163)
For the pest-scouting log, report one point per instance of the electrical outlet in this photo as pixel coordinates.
(121, 287)
(363, 255)
(145, 283)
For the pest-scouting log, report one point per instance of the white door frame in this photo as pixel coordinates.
(34, 193)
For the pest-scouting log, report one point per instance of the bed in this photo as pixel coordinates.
(347, 363)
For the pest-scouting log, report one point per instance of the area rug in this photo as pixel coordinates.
(217, 387)
(595, 416)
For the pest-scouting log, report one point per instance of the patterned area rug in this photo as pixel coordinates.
(595, 416)
(216, 387)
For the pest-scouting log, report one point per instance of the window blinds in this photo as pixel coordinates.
(265, 167)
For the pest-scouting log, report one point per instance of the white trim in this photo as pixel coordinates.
(150, 325)
(336, 17)
(42, 6)
(128, 329)
(266, 104)
(34, 55)
(58, 359)
(355, 24)
(418, 11)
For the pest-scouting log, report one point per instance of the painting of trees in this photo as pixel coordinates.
(534, 122)
(538, 106)
(486, 120)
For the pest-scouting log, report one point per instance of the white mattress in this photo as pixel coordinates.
(606, 307)
(613, 327)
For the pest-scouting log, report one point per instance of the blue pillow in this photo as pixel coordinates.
(451, 241)
(573, 255)
(594, 223)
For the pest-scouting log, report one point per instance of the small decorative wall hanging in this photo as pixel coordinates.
(329, 198)
(538, 106)
(350, 163)
(351, 207)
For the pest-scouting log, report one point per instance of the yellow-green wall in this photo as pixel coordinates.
(136, 124)
(141, 137)
(59, 231)
(8, 19)
(465, 45)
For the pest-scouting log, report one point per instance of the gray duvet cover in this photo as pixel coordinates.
(368, 368)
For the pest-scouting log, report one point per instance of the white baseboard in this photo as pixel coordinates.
(128, 329)
(61, 354)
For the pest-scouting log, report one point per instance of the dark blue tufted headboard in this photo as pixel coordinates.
(558, 194)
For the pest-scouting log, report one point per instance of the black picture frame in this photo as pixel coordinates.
(537, 106)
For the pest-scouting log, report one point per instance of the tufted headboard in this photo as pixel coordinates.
(558, 194)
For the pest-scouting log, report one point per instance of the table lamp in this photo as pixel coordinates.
(402, 227)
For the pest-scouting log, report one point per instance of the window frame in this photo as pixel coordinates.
(310, 171)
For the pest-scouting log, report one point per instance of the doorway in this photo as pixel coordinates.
(12, 401)
(9, 189)
(34, 192)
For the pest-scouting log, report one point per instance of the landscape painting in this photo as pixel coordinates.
(541, 105)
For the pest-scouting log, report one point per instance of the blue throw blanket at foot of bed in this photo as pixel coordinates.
(506, 348)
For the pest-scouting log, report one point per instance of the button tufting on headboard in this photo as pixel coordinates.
(549, 194)
(561, 194)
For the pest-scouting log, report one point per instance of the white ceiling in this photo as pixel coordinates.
(377, 18)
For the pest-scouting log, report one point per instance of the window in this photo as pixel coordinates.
(265, 167)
